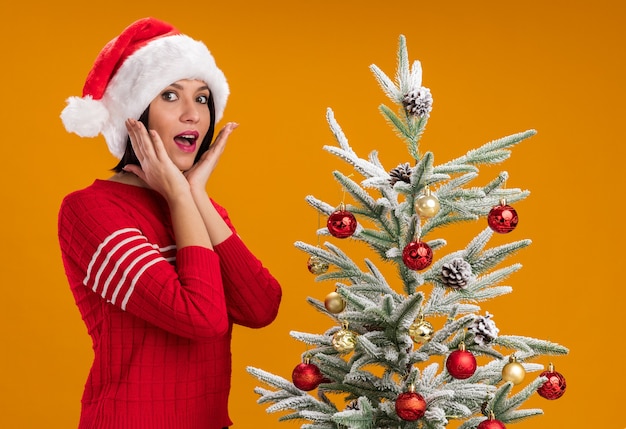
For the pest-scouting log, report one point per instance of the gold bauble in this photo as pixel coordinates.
(344, 340)
(427, 205)
(317, 265)
(421, 331)
(334, 303)
(513, 371)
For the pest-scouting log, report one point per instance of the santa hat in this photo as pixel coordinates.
(130, 71)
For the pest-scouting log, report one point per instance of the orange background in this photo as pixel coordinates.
(494, 68)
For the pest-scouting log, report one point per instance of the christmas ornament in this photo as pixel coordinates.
(344, 340)
(491, 423)
(461, 364)
(334, 303)
(341, 223)
(402, 173)
(421, 331)
(410, 405)
(484, 330)
(456, 273)
(317, 265)
(503, 218)
(513, 371)
(418, 102)
(417, 255)
(554, 388)
(427, 205)
(306, 376)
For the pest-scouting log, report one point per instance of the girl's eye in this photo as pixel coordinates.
(202, 99)
(169, 96)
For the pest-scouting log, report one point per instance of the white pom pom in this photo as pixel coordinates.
(84, 116)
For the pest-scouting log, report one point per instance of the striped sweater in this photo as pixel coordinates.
(160, 319)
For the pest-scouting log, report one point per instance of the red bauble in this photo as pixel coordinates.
(410, 406)
(306, 376)
(417, 255)
(554, 388)
(461, 364)
(502, 219)
(491, 424)
(341, 224)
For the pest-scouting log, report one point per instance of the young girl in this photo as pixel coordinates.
(155, 266)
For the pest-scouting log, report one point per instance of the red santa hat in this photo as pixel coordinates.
(130, 71)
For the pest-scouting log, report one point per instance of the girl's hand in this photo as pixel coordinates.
(157, 169)
(199, 174)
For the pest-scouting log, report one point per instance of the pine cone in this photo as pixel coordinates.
(484, 330)
(456, 273)
(354, 405)
(402, 173)
(418, 102)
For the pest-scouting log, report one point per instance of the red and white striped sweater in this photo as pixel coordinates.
(160, 318)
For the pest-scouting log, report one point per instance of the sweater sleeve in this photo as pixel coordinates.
(105, 250)
(253, 295)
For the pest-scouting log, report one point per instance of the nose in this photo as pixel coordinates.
(190, 112)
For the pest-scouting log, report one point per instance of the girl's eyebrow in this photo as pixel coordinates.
(179, 86)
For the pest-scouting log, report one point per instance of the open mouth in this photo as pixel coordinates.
(187, 141)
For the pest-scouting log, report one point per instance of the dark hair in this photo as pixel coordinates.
(129, 156)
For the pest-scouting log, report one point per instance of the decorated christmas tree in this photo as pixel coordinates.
(382, 363)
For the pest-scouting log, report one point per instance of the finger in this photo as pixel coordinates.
(147, 144)
(136, 139)
(158, 145)
(218, 145)
(133, 138)
(222, 136)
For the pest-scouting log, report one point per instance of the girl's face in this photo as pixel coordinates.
(181, 117)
